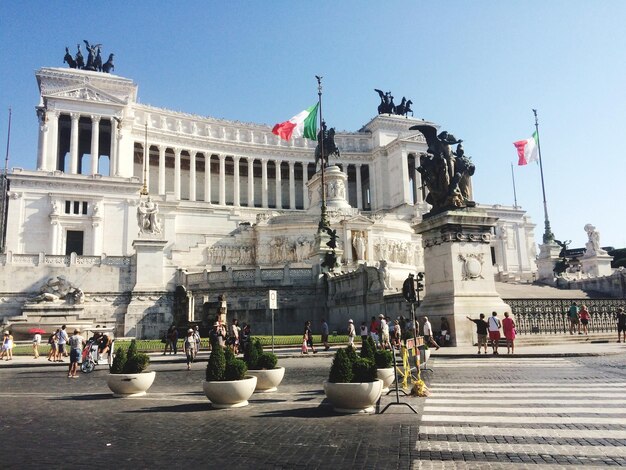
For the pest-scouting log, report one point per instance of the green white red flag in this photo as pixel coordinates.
(527, 150)
(303, 124)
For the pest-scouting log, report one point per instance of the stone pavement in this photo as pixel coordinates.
(485, 412)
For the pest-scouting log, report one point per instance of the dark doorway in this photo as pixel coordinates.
(74, 242)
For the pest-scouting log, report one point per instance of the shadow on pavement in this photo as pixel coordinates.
(96, 396)
(183, 408)
(322, 411)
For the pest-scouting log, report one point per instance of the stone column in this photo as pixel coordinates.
(43, 140)
(51, 153)
(359, 189)
(406, 188)
(264, 186)
(250, 182)
(74, 144)
(418, 184)
(222, 195)
(279, 186)
(177, 173)
(305, 189)
(192, 175)
(292, 186)
(95, 143)
(54, 239)
(236, 189)
(114, 168)
(161, 169)
(207, 177)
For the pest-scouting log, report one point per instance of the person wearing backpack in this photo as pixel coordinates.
(494, 331)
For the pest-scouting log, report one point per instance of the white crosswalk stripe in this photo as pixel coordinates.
(574, 419)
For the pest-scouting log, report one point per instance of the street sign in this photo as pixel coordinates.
(273, 299)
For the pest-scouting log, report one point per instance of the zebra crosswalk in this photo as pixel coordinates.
(560, 421)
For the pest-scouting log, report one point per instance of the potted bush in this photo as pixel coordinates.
(352, 385)
(226, 384)
(262, 365)
(383, 360)
(127, 378)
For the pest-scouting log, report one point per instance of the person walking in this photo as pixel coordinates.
(307, 339)
(584, 319)
(427, 329)
(374, 330)
(481, 331)
(397, 334)
(574, 321)
(620, 316)
(508, 327)
(76, 344)
(363, 332)
(351, 333)
(173, 339)
(385, 343)
(494, 331)
(53, 342)
(7, 346)
(36, 343)
(63, 338)
(234, 336)
(190, 347)
(325, 335)
(196, 336)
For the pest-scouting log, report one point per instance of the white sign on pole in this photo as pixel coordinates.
(273, 300)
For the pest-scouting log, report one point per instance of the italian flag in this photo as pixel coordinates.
(303, 124)
(527, 150)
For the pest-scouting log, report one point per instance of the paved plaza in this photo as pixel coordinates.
(484, 412)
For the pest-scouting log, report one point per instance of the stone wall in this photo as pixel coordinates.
(613, 285)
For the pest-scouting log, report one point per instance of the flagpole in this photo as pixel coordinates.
(323, 217)
(514, 192)
(146, 157)
(4, 188)
(548, 236)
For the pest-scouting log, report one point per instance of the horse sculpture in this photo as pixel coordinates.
(80, 61)
(386, 105)
(108, 65)
(97, 62)
(69, 59)
(404, 108)
(328, 143)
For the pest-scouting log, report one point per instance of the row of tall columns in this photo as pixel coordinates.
(48, 148)
(236, 180)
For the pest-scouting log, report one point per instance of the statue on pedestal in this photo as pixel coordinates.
(147, 217)
(592, 247)
(447, 174)
(325, 140)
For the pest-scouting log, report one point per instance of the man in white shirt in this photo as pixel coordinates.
(494, 331)
(62, 335)
(428, 334)
(384, 333)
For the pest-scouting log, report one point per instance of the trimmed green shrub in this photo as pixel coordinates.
(119, 361)
(235, 370)
(136, 363)
(383, 358)
(351, 352)
(368, 349)
(267, 360)
(364, 370)
(229, 355)
(216, 368)
(132, 348)
(341, 369)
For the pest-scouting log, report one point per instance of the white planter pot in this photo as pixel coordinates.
(229, 393)
(353, 398)
(130, 385)
(268, 380)
(387, 376)
(424, 355)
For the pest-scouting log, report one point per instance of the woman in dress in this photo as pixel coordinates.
(508, 326)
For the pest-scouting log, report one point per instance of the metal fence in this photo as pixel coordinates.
(549, 316)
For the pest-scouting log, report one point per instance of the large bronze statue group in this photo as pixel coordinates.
(387, 106)
(94, 59)
(325, 145)
(446, 173)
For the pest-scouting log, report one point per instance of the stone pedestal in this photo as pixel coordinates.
(149, 264)
(459, 277)
(546, 261)
(597, 265)
(336, 184)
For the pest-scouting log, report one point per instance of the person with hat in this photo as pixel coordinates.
(190, 347)
(385, 343)
(351, 333)
(77, 343)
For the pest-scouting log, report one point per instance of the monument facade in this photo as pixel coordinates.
(227, 201)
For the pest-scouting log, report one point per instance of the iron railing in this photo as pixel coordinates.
(549, 316)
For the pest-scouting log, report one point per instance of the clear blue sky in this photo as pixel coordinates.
(475, 67)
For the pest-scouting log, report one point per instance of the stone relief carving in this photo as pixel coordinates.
(472, 265)
(222, 254)
(397, 251)
(450, 237)
(58, 289)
